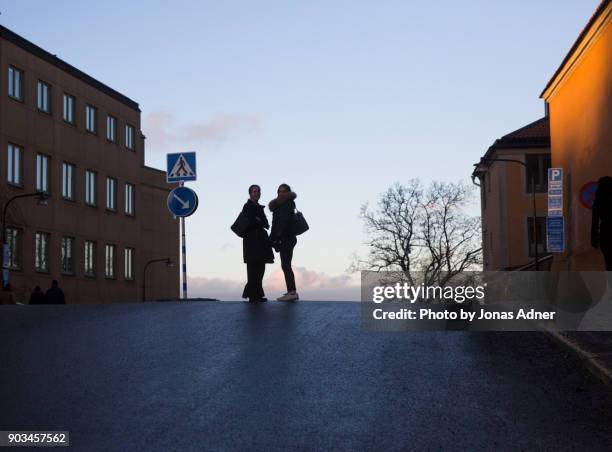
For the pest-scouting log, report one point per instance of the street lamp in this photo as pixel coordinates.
(531, 175)
(168, 262)
(42, 200)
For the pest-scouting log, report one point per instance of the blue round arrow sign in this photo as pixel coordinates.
(182, 202)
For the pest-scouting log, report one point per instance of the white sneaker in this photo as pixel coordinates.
(289, 296)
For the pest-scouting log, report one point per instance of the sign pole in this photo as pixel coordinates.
(182, 201)
(184, 254)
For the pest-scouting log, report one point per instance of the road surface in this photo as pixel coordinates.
(274, 376)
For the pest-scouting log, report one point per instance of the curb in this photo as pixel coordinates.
(589, 360)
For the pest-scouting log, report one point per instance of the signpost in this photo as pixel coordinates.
(181, 167)
(182, 201)
(555, 222)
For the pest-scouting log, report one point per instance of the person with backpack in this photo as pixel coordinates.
(283, 237)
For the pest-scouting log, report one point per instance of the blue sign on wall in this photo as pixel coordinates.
(182, 202)
(554, 235)
(181, 167)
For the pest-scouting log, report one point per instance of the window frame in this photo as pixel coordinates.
(541, 222)
(94, 201)
(67, 239)
(45, 256)
(90, 246)
(40, 83)
(10, 151)
(132, 200)
(72, 98)
(111, 182)
(129, 257)
(15, 247)
(11, 86)
(72, 184)
(94, 122)
(129, 137)
(113, 261)
(541, 179)
(110, 119)
(46, 158)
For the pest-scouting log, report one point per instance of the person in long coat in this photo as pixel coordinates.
(282, 237)
(601, 222)
(256, 248)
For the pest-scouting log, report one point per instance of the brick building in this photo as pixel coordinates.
(78, 141)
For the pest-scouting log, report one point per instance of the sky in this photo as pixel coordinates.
(339, 99)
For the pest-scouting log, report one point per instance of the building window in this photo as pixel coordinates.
(41, 252)
(68, 113)
(111, 128)
(129, 199)
(67, 255)
(90, 188)
(541, 234)
(109, 261)
(90, 258)
(537, 165)
(68, 181)
(43, 97)
(15, 83)
(111, 193)
(129, 137)
(90, 118)
(13, 241)
(42, 173)
(129, 263)
(13, 175)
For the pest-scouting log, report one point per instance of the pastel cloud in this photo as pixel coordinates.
(161, 128)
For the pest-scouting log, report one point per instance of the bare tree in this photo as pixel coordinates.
(423, 230)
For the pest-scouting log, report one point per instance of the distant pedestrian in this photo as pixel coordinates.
(54, 294)
(601, 221)
(37, 296)
(256, 248)
(282, 237)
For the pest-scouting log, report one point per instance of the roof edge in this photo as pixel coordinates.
(32, 48)
(585, 31)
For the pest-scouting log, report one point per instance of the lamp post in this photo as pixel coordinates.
(168, 262)
(42, 199)
(531, 175)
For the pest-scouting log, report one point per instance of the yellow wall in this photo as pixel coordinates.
(506, 210)
(580, 102)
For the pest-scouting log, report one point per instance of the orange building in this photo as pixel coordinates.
(507, 196)
(579, 96)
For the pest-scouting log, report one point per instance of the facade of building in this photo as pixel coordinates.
(507, 197)
(67, 135)
(579, 96)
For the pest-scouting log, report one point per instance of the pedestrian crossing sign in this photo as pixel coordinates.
(181, 167)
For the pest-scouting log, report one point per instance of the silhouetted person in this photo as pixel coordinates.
(282, 238)
(37, 296)
(601, 225)
(256, 248)
(54, 294)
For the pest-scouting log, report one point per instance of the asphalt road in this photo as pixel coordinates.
(274, 376)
